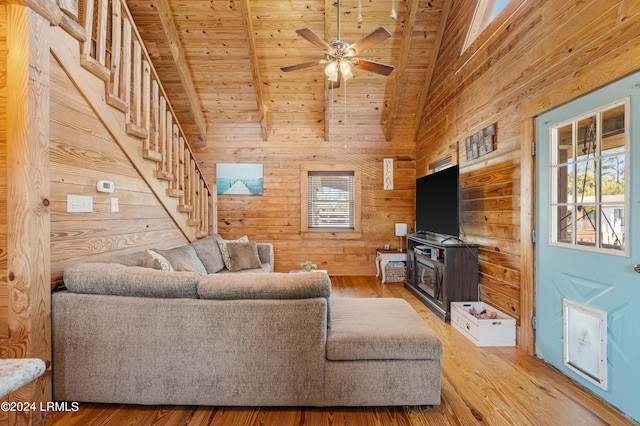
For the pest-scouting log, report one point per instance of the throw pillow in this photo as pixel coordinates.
(156, 261)
(223, 248)
(209, 253)
(243, 256)
(185, 254)
(183, 267)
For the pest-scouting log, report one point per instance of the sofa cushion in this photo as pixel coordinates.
(185, 254)
(156, 261)
(264, 286)
(243, 256)
(121, 280)
(380, 329)
(209, 253)
(222, 243)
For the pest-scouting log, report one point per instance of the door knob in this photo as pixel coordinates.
(637, 268)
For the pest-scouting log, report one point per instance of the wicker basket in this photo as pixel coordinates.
(395, 271)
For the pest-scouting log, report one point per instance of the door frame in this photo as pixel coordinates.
(526, 337)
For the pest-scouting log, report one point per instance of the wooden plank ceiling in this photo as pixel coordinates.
(220, 64)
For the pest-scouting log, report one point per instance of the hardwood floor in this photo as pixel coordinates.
(494, 386)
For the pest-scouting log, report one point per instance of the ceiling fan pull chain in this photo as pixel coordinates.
(394, 14)
(360, 14)
(344, 117)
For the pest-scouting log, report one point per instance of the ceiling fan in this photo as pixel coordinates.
(341, 56)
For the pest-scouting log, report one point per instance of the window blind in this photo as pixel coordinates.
(331, 200)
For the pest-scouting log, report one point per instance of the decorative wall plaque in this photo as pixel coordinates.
(480, 143)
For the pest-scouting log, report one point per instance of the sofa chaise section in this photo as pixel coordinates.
(380, 352)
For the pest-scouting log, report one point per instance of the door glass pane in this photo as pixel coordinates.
(564, 221)
(586, 143)
(586, 225)
(588, 171)
(612, 178)
(585, 182)
(564, 151)
(613, 226)
(565, 184)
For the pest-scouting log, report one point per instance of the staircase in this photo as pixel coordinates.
(98, 46)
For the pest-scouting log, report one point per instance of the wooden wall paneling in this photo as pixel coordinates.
(538, 60)
(83, 151)
(276, 215)
(27, 197)
(112, 121)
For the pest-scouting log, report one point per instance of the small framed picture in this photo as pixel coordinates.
(387, 247)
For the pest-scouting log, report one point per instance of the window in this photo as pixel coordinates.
(486, 11)
(588, 191)
(330, 200)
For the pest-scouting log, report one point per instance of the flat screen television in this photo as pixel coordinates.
(437, 202)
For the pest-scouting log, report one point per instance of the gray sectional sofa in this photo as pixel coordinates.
(130, 334)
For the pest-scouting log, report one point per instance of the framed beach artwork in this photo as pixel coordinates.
(239, 179)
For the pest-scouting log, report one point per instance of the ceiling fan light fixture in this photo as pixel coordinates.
(345, 69)
(331, 70)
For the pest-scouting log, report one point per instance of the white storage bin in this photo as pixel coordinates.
(500, 331)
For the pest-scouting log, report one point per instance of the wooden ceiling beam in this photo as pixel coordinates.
(255, 70)
(446, 8)
(179, 58)
(412, 9)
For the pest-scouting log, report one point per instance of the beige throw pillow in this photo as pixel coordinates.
(223, 248)
(156, 261)
(209, 253)
(243, 256)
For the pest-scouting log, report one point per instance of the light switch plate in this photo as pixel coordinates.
(79, 203)
(114, 205)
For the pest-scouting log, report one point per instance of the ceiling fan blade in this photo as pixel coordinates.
(314, 38)
(375, 36)
(300, 66)
(373, 66)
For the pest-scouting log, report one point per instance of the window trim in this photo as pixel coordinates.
(304, 189)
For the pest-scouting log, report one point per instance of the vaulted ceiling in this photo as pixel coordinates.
(220, 60)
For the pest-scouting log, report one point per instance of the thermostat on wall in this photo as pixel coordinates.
(105, 186)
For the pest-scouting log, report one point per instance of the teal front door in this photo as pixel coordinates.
(588, 242)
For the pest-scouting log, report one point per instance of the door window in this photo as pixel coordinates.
(588, 201)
